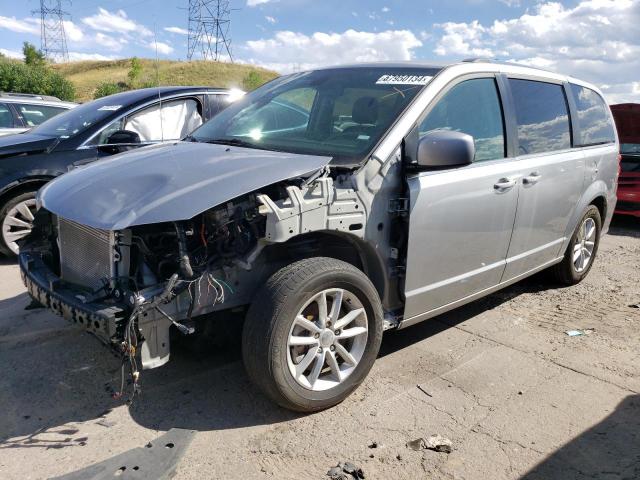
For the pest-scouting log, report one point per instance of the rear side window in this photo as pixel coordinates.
(594, 123)
(36, 114)
(6, 117)
(471, 107)
(542, 116)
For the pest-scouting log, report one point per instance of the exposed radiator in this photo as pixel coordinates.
(87, 255)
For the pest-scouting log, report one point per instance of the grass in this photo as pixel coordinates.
(87, 75)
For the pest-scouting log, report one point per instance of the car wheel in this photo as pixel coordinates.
(312, 333)
(16, 221)
(582, 249)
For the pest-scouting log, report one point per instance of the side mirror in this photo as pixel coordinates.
(445, 149)
(123, 136)
(120, 141)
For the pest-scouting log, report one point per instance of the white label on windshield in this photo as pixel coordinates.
(403, 80)
(111, 108)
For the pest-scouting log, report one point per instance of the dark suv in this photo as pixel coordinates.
(90, 132)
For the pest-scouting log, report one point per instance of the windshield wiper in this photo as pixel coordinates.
(236, 142)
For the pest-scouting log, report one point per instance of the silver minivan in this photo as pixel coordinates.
(327, 207)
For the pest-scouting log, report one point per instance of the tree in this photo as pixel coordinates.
(33, 56)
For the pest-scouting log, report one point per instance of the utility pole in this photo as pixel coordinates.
(209, 29)
(53, 41)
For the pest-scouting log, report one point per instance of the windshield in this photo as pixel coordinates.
(630, 148)
(340, 112)
(77, 120)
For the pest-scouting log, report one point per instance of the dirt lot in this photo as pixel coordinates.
(516, 395)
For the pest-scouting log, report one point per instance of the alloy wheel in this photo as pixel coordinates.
(584, 245)
(327, 339)
(18, 223)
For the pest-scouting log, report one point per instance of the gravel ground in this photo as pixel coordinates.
(517, 397)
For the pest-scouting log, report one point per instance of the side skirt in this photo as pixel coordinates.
(450, 306)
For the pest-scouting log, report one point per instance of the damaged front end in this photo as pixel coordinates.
(130, 286)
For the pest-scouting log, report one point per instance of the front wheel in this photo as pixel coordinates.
(312, 333)
(16, 221)
(582, 249)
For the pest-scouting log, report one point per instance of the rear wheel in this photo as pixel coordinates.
(312, 334)
(16, 221)
(582, 249)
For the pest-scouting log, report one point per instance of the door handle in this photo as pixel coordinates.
(532, 178)
(504, 184)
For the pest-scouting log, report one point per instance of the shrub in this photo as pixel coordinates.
(38, 79)
(252, 80)
(109, 88)
(135, 71)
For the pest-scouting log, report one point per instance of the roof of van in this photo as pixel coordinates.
(470, 66)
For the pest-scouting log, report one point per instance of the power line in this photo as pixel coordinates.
(209, 29)
(53, 41)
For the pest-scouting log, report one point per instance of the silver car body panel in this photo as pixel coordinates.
(169, 182)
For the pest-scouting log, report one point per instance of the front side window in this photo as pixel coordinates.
(594, 124)
(6, 117)
(34, 115)
(542, 116)
(472, 107)
(171, 120)
(342, 113)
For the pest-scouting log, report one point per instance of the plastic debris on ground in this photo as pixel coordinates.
(436, 443)
(577, 333)
(345, 471)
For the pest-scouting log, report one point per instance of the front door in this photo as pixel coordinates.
(552, 175)
(461, 219)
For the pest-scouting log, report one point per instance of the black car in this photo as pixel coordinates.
(90, 132)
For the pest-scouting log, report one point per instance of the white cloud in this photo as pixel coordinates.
(11, 53)
(115, 22)
(79, 56)
(73, 32)
(595, 40)
(163, 48)
(286, 49)
(385, 9)
(178, 30)
(254, 3)
(511, 3)
(19, 26)
(270, 19)
(109, 42)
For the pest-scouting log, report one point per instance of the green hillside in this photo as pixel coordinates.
(87, 75)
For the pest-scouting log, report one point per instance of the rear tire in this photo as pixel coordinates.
(16, 217)
(582, 249)
(294, 356)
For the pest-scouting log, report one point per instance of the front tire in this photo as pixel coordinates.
(16, 221)
(312, 334)
(582, 249)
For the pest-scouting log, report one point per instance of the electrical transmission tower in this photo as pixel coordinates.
(209, 29)
(53, 41)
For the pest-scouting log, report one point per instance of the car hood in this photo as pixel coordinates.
(168, 182)
(18, 143)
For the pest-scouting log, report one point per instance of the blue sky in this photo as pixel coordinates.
(592, 39)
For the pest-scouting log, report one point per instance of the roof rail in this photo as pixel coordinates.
(32, 96)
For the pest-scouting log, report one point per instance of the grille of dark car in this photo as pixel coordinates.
(86, 254)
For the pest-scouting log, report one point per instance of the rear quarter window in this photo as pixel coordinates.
(594, 122)
(542, 116)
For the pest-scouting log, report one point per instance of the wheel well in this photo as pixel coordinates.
(340, 246)
(22, 187)
(601, 204)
